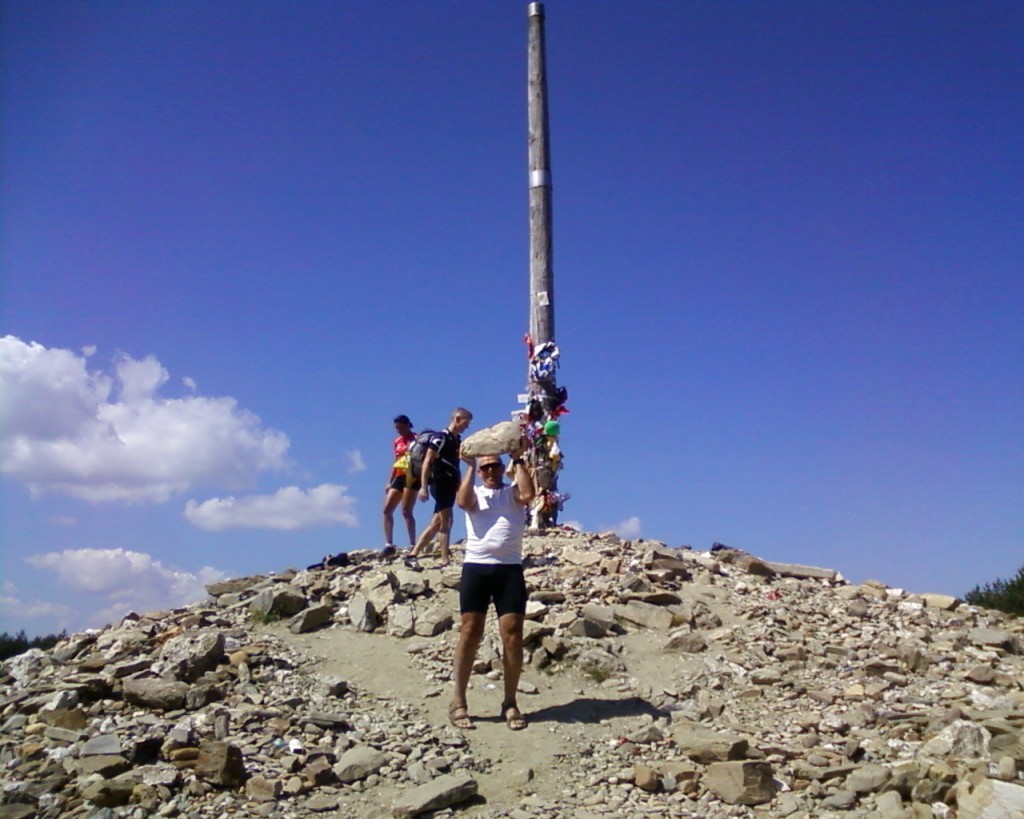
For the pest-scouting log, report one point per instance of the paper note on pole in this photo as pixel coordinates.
(542, 298)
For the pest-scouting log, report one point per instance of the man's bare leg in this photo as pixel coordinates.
(471, 632)
(408, 503)
(445, 535)
(391, 501)
(427, 536)
(510, 627)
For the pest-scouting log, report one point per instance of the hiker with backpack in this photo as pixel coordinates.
(441, 473)
(402, 486)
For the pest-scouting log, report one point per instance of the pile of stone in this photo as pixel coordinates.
(791, 693)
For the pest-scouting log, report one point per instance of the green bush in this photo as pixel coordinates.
(1003, 595)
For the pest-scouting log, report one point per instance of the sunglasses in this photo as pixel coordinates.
(491, 466)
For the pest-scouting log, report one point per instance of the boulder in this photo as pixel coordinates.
(282, 602)
(166, 695)
(646, 615)
(362, 613)
(741, 783)
(310, 619)
(503, 437)
(434, 621)
(435, 795)
(402, 621)
(358, 763)
(982, 798)
(220, 763)
(706, 745)
(188, 656)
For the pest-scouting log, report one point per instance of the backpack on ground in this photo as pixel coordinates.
(418, 451)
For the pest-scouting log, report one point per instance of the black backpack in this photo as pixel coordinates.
(418, 451)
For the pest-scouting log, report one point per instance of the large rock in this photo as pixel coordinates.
(378, 589)
(868, 779)
(962, 739)
(434, 621)
(436, 795)
(110, 792)
(101, 744)
(167, 695)
(310, 619)
(981, 798)
(402, 621)
(646, 615)
(358, 763)
(232, 586)
(995, 638)
(188, 656)
(705, 745)
(503, 437)
(741, 783)
(24, 668)
(804, 572)
(279, 601)
(410, 583)
(362, 613)
(220, 764)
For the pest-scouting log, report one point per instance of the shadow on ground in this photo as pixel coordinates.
(589, 710)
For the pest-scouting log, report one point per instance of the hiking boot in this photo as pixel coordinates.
(412, 563)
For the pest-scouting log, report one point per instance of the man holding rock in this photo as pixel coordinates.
(492, 571)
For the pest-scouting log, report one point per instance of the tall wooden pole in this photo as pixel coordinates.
(542, 281)
(543, 394)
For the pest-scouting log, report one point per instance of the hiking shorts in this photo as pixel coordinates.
(399, 483)
(443, 490)
(502, 583)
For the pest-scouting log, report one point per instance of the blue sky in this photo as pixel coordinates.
(238, 238)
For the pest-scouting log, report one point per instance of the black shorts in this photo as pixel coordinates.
(443, 490)
(502, 583)
(398, 482)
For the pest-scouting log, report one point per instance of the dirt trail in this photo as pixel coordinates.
(566, 705)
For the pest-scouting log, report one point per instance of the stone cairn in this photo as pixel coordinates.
(794, 694)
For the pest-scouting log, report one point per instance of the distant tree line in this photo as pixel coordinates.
(1004, 595)
(18, 643)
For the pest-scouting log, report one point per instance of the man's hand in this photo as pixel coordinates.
(519, 450)
(423, 493)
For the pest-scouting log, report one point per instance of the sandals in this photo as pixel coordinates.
(459, 717)
(513, 717)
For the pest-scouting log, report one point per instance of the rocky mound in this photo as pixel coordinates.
(660, 682)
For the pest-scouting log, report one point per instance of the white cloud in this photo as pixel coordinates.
(355, 461)
(106, 437)
(15, 608)
(630, 528)
(288, 508)
(120, 580)
(11, 607)
(62, 520)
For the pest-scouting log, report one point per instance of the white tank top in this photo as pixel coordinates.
(494, 532)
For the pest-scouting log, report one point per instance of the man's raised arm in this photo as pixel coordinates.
(524, 490)
(466, 497)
